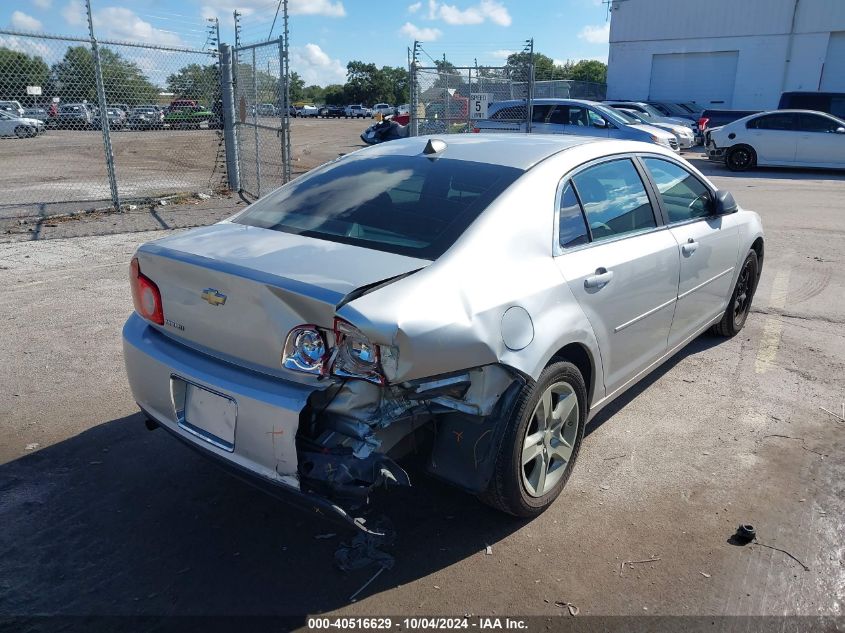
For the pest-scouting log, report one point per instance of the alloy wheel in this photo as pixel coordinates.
(549, 439)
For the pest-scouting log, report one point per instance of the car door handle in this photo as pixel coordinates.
(690, 247)
(600, 279)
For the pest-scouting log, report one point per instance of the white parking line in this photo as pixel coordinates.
(773, 327)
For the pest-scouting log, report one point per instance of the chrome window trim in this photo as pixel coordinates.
(657, 212)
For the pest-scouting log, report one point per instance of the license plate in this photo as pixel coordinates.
(209, 415)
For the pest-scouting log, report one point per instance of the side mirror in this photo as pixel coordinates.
(724, 203)
(840, 130)
(600, 123)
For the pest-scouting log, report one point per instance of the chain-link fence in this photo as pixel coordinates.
(570, 89)
(262, 122)
(106, 123)
(449, 100)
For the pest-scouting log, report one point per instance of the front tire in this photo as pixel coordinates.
(21, 131)
(740, 304)
(741, 158)
(540, 446)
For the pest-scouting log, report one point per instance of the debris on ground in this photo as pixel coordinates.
(573, 610)
(706, 575)
(203, 196)
(366, 584)
(839, 418)
(32, 446)
(653, 559)
(365, 548)
(746, 535)
(321, 537)
(607, 459)
(488, 550)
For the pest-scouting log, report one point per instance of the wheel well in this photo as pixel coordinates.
(578, 355)
(757, 247)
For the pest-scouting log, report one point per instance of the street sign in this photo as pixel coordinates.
(33, 90)
(478, 105)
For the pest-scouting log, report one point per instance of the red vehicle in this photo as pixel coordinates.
(178, 103)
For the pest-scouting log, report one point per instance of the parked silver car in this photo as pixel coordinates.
(479, 298)
(683, 134)
(570, 116)
(22, 127)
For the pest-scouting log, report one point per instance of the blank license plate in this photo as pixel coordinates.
(210, 416)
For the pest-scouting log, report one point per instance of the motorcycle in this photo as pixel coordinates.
(385, 130)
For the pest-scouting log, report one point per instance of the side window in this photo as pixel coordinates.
(578, 116)
(837, 107)
(815, 123)
(614, 198)
(684, 196)
(510, 113)
(560, 115)
(573, 228)
(771, 122)
(539, 113)
(595, 119)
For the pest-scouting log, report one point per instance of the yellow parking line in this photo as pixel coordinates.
(773, 327)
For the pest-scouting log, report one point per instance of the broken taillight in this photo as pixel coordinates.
(305, 350)
(145, 294)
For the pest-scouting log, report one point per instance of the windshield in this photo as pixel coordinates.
(407, 205)
(628, 116)
(613, 115)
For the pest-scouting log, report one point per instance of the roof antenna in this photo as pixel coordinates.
(434, 146)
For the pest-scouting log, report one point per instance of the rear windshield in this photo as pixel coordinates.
(408, 205)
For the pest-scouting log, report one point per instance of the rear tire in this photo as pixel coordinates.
(541, 443)
(741, 158)
(740, 304)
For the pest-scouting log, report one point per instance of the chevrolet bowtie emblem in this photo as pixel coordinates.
(213, 297)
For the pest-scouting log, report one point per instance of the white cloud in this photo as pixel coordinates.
(413, 8)
(220, 8)
(74, 13)
(492, 10)
(502, 53)
(596, 34)
(28, 45)
(23, 22)
(119, 23)
(42, 4)
(422, 34)
(315, 66)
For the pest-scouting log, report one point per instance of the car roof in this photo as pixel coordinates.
(521, 151)
(546, 101)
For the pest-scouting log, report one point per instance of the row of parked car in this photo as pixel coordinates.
(352, 111)
(182, 113)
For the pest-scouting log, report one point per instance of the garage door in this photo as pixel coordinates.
(833, 74)
(706, 78)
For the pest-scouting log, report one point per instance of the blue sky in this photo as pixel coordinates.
(325, 34)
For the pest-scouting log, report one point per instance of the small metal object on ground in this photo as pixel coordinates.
(745, 533)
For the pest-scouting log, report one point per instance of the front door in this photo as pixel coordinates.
(708, 246)
(620, 267)
(818, 141)
(773, 137)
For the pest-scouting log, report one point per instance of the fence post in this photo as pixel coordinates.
(104, 114)
(255, 125)
(229, 138)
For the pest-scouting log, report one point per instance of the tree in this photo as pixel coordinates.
(589, 70)
(296, 87)
(19, 70)
(334, 94)
(196, 81)
(74, 80)
(314, 94)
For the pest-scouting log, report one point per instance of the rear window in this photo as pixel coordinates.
(408, 205)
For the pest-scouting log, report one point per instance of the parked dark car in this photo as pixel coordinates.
(145, 118)
(73, 116)
(687, 110)
(717, 118)
(830, 102)
(332, 112)
(116, 117)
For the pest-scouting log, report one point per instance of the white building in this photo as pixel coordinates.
(739, 54)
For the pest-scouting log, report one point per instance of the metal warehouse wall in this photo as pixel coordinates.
(761, 33)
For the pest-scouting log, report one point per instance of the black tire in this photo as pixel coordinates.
(740, 304)
(506, 491)
(741, 158)
(21, 131)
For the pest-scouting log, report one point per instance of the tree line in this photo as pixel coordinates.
(73, 79)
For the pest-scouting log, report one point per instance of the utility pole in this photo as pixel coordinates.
(104, 113)
(213, 29)
(237, 16)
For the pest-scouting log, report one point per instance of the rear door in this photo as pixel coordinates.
(707, 244)
(818, 142)
(621, 266)
(773, 137)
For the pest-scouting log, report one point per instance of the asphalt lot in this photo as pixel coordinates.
(100, 516)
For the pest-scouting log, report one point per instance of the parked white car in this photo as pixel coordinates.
(12, 107)
(12, 125)
(383, 109)
(780, 138)
(357, 111)
(307, 110)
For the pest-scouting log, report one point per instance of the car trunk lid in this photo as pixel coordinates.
(235, 291)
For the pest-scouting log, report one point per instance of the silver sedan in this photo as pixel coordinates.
(476, 299)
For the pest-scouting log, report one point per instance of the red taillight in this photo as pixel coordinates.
(476, 130)
(702, 122)
(145, 294)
